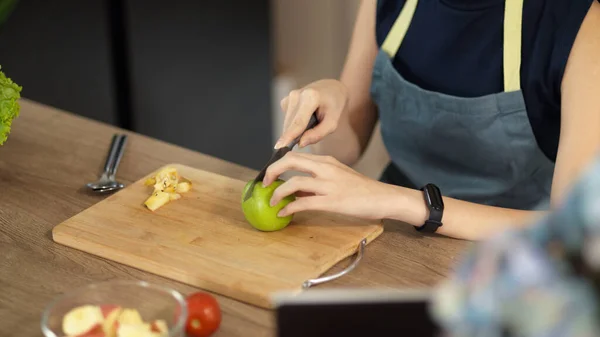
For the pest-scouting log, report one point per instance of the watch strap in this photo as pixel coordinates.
(434, 222)
(430, 226)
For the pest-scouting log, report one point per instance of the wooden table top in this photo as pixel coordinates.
(51, 154)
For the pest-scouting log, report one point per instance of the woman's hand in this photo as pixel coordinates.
(332, 187)
(335, 187)
(329, 98)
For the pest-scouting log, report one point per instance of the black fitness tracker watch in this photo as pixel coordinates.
(435, 204)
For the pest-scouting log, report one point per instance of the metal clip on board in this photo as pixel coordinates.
(361, 248)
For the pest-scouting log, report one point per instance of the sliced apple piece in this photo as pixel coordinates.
(83, 320)
(156, 200)
(130, 316)
(107, 309)
(111, 314)
(183, 187)
(150, 181)
(165, 178)
(168, 185)
(159, 326)
(134, 330)
(95, 332)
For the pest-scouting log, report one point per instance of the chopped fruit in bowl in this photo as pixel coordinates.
(168, 185)
(116, 309)
(110, 321)
(85, 320)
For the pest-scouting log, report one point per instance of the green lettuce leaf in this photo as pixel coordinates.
(10, 93)
(6, 8)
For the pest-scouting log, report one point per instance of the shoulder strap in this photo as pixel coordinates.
(512, 39)
(513, 20)
(396, 35)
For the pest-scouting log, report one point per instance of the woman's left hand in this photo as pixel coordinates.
(332, 187)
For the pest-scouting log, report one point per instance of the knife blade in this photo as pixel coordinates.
(278, 154)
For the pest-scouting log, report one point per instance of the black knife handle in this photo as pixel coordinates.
(311, 124)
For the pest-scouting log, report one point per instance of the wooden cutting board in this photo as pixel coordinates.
(204, 240)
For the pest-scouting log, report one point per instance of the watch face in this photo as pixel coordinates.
(434, 197)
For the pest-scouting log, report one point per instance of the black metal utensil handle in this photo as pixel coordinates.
(311, 124)
(118, 155)
(111, 154)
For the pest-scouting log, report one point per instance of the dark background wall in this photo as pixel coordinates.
(194, 73)
(207, 69)
(60, 52)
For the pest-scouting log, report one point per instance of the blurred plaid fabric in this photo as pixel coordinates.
(541, 281)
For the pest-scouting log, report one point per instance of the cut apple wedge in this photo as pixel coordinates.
(83, 321)
(111, 314)
(107, 309)
(130, 316)
(168, 186)
(133, 330)
(165, 178)
(183, 187)
(95, 332)
(157, 200)
(159, 326)
(137, 330)
(110, 321)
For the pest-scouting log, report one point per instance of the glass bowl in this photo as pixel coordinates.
(151, 301)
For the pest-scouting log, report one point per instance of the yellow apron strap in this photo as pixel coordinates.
(513, 18)
(394, 38)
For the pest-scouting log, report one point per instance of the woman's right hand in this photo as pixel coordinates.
(329, 98)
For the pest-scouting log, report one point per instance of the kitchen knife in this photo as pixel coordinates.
(279, 154)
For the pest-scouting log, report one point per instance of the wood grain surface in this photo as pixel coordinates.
(203, 239)
(51, 154)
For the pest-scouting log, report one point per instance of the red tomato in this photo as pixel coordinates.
(204, 315)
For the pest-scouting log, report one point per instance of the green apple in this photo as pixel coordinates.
(258, 211)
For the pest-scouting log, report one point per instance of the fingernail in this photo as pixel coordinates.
(272, 203)
(282, 213)
(278, 144)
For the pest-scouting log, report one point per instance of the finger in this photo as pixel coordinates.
(316, 203)
(290, 162)
(314, 135)
(316, 157)
(307, 105)
(284, 108)
(292, 106)
(289, 105)
(297, 184)
(328, 165)
(284, 103)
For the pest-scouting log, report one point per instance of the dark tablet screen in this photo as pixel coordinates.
(361, 317)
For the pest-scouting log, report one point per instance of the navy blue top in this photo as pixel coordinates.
(455, 47)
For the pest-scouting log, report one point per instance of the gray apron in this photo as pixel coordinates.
(479, 149)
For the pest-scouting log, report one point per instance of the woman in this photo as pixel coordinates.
(472, 97)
